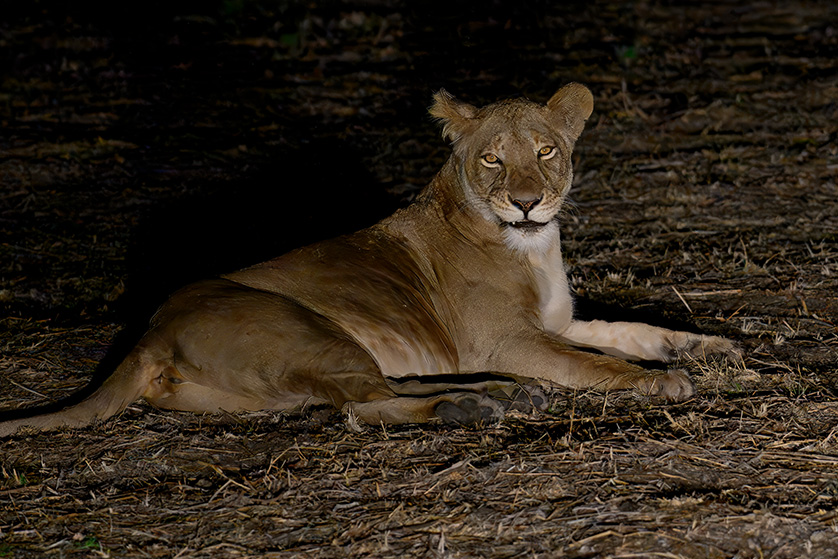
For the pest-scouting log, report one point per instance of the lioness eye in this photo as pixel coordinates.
(490, 160)
(546, 152)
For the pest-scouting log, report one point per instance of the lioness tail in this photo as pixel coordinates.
(124, 386)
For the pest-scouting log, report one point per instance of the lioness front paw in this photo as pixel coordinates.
(674, 385)
(697, 346)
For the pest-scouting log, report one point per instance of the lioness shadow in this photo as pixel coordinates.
(296, 198)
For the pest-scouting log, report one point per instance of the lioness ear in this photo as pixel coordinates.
(456, 116)
(572, 105)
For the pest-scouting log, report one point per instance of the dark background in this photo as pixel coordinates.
(144, 145)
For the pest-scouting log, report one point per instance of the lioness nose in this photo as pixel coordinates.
(525, 205)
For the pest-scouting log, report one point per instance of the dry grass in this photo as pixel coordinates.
(705, 195)
(599, 475)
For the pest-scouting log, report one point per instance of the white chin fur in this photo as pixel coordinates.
(529, 240)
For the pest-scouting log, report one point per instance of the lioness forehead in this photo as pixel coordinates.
(516, 121)
(510, 108)
(522, 134)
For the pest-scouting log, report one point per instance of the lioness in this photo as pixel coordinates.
(469, 278)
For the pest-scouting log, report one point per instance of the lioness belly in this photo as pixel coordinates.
(372, 289)
(398, 355)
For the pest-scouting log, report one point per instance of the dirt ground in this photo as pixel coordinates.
(146, 145)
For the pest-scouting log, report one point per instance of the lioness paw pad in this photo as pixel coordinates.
(469, 409)
(524, 398)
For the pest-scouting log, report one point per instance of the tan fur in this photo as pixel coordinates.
(467, 279)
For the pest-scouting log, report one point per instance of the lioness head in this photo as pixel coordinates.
(514, 158)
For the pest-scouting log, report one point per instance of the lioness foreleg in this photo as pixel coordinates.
(638, 341)
(544, 357)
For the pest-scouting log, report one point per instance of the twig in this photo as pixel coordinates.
(682, 299)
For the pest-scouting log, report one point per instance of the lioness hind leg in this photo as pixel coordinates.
(462, 408)
(511, 392)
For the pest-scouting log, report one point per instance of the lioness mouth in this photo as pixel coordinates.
(525, 224)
